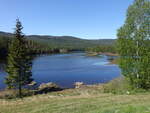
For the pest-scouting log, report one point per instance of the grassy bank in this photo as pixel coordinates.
(83, 103)
(113, 97)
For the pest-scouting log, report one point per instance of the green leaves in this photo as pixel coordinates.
(134, 44)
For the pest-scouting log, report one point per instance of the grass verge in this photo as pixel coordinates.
(105, 98)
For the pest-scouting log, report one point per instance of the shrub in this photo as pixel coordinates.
(119, 85)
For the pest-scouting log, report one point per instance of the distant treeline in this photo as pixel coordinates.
(54, 44)
(35, 47)
(103, 48)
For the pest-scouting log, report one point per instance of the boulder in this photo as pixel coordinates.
(48, 87)
(78, 84)
(33, 83)
(63, 51)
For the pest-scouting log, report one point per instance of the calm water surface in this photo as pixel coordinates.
(65, 69)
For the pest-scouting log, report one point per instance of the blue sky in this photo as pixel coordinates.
(89, 19)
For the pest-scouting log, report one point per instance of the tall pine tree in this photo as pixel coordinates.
(19, 63)
(134, 44)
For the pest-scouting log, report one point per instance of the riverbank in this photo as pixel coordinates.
(117, 85)
(111, 97)
(101, 53)
(78, 101)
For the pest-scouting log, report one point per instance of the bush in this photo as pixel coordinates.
(13, 93)
(119, 85)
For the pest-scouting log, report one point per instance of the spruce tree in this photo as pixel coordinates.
(18, 62)
(134, 44)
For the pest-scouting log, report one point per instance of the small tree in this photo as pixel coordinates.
(19, 62)
(134, 44)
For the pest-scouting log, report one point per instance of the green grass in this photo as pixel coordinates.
(81, 102)
(105, 98)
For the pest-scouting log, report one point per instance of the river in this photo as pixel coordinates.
(65, 69)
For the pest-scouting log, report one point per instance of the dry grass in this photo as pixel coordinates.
(91, 103)
(87, 99)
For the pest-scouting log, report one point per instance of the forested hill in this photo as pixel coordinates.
(64, 41)
(47, 44)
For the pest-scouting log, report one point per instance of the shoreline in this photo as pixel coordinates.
(101, 53)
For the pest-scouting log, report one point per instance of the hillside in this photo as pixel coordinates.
(64, 41)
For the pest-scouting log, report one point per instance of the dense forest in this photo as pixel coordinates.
(55, 44)
(103, 48)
